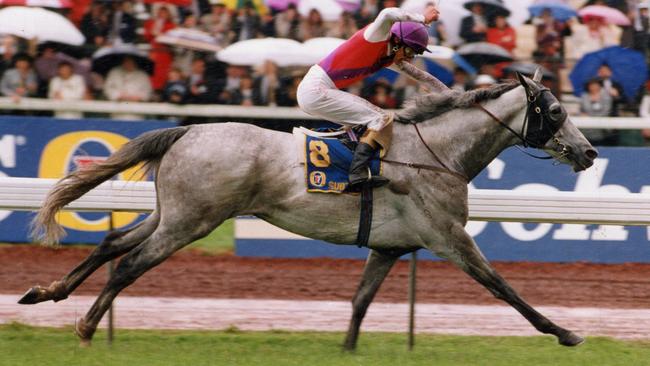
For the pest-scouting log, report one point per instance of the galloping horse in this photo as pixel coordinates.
(206, 174)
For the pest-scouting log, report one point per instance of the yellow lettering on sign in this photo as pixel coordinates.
(319, 154)
(54, 164)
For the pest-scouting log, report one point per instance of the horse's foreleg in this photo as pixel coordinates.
(377, 267)
(115, 244)
(469, 258)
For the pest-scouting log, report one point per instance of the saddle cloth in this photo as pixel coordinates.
(327, 161)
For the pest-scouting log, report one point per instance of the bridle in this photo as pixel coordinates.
(539, 126)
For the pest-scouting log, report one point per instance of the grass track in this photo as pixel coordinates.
(23, 345)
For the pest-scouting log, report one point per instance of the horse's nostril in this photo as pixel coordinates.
(591, 154)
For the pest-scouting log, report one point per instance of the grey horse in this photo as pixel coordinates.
(206, 174)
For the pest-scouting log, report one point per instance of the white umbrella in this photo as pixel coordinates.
(518, 11)
(59, 4)
(319, 48)
(38, 23)
(189, 38)
(330, 10)
(255, 51)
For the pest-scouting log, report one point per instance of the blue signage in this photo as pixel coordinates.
(50, 148)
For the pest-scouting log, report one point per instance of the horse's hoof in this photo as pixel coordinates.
(85, 343)
(33, 296)
(571, 340)
(84, 332)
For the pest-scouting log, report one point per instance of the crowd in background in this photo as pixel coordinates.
(183, 76)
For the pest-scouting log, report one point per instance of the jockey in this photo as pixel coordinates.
(393, 38)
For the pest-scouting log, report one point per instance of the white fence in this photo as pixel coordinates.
(27, 194)
(235, 112)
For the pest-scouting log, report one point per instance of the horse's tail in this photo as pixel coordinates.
(147, 148)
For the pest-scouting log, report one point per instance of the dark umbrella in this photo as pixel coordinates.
(108, 57)
(481, 53)
(529, 69)
(491, 7)
(628, 69)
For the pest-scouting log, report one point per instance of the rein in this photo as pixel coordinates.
(444, 169)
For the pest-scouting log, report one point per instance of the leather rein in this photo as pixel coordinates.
(531, 104)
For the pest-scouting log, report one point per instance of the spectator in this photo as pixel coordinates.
(246, 23)
(344, 28)
(9, 49)
(217, 22)
(176, 89)
(123, 23)
(231, 84)
(67, 86)
(313, 26)
(367, 13)
(267, 84)
(596, 102)
(382, 95)
(95, 25)
(287, 23)
(461, 79)
(160, 54)
(287, 96)
(21, 80)
(594, 35)
(267, 25)
(473, 28)
(127, 83)
(502, 34)
(437, 33)
(614, 89)
(246, 95)
(549, 34)
(183, 57)
(47, 66)
(642, 29)
(199, 88)
(644, 112)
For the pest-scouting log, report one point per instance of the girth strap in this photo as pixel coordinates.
(365, 216)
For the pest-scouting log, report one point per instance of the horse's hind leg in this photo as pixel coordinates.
(166, 239)
(377, 267)
(468, 257)
(115, 244)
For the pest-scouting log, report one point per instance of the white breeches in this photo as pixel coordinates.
(318, 96)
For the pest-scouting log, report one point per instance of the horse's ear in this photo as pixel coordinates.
(538, 75)
(524, 83)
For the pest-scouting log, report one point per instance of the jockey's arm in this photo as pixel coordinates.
(431, 82)
(379, 29)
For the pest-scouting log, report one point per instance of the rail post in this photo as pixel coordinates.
(110, 269)
(412, 288)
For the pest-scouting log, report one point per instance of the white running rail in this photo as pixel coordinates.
(27, 194)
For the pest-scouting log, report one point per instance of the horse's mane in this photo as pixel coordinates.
(425, 107)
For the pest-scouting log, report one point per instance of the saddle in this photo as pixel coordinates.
(327, 157)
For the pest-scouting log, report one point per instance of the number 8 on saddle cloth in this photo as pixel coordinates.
(327, 161)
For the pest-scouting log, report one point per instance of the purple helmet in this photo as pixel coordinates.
(412, 34)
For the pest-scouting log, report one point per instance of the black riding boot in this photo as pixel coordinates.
(360, 168)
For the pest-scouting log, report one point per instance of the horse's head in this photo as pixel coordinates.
(548, 127)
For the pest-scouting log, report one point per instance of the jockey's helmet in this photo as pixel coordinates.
(412, 34)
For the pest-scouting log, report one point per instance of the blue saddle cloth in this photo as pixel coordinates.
(327, 164)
